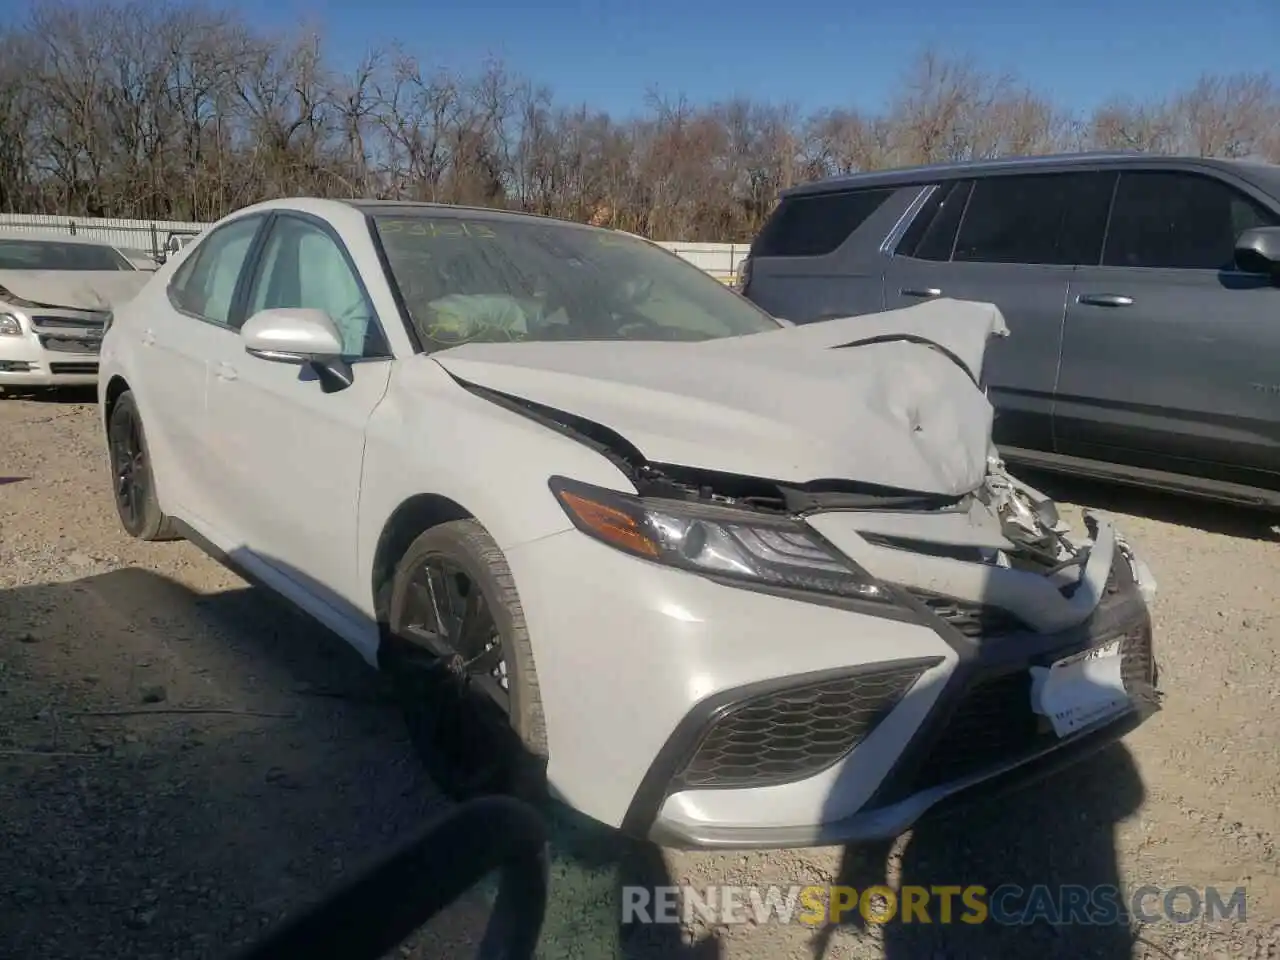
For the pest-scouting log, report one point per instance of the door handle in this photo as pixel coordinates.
(1105, 300)
(225, 371)
(923, 292)
(148, 337)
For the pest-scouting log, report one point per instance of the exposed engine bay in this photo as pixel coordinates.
(1009, 524)
(1004, 523)
(899, 472)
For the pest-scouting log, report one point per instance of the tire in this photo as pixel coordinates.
(133, 484)
(471, 744)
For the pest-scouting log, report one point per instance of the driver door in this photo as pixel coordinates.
(290, 454)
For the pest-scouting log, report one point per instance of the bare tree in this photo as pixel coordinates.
(175, 110)
(1232, 116)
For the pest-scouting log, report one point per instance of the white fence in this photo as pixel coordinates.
(153, 237)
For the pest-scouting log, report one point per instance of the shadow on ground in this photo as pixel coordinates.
(1054, 833)
(52, 394)
(1184, 511)
(179, 772)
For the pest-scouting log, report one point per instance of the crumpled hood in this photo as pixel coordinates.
(74, 289)
(793, 405)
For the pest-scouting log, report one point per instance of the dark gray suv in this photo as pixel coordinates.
(1142, 294)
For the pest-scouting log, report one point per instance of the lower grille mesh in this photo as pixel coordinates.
(795, 733)
(994, 723)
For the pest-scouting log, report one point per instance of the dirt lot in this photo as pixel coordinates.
(182, 760)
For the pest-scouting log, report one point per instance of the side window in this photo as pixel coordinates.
(1181, 220)
(1053, 218)
(303, 266)
(205, 284)
(814, 225)
(932, 233)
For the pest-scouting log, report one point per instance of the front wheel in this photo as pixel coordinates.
(460, 658)
(133, 482)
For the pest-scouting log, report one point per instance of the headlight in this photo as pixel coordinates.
(716, 541)
(10, 326)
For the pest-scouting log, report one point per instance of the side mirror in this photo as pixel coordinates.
(1258, 251)
(301, 336)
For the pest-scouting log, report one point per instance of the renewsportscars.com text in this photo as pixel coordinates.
(971, 904)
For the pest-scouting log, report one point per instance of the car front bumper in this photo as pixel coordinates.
(980, 736)
(24, 362)
(703, 715)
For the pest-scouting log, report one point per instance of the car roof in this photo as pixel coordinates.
(393, 208)
(339, 208)
(1255, 171)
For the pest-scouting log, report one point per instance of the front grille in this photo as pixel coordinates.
(795, 733)
(64, 345)
(73, 368)
(80, 335)
(90, 321)
(974, 620)
(993, 724)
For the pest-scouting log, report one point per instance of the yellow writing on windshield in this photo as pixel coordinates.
(420, 227)
(615, 240)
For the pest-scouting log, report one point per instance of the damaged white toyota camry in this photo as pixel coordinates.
(712, 579)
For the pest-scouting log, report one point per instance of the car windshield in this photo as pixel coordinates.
(493, 280)
(18, 254)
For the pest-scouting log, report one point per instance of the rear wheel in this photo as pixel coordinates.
(460, 658)
(133, 483)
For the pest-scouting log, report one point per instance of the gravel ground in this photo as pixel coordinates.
(183, 760)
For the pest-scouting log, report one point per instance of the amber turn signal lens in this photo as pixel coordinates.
(610, 524)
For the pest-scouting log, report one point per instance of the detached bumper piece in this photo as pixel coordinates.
(984, 721)
(795, 732)
(994, 724)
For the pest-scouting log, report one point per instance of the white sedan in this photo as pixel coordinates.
(56, 294)
(712, 578)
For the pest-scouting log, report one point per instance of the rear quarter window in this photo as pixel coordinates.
(816, 224)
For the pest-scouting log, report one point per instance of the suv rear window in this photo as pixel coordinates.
(816, 224)
(932, 233)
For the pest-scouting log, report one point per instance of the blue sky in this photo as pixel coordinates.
(819, 53)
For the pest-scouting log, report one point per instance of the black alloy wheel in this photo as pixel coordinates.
(462, 697)
(133, 483)
(132, 479)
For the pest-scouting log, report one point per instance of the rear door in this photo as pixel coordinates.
(817, 258)
(1011, 240)
(1171, 356)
